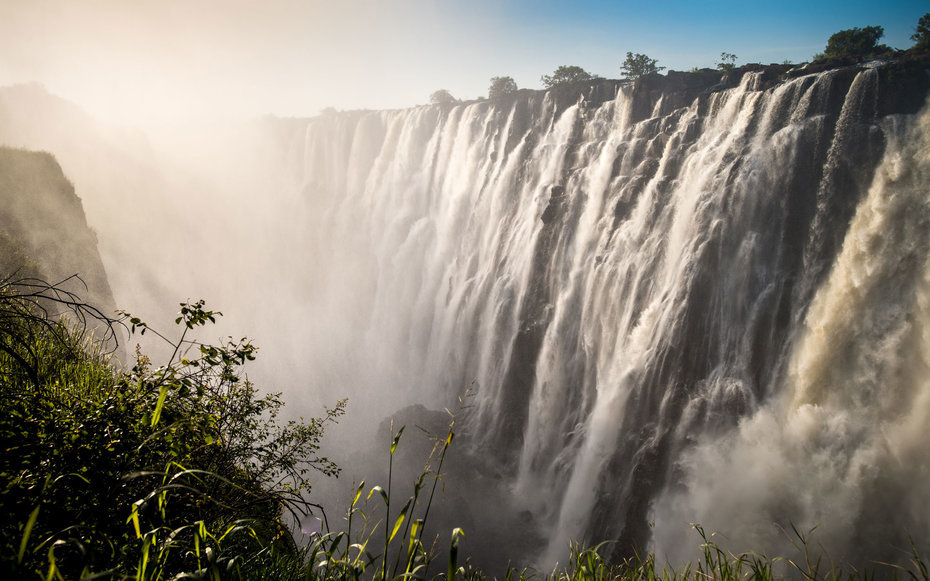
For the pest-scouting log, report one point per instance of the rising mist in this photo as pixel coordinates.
(662, 304)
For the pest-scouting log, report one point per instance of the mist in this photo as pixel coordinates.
(169, 64)
(642, 309)
(172, 64)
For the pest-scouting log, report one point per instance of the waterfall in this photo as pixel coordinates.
(670, 309)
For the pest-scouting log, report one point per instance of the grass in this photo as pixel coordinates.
(183, 471)
(404, 552)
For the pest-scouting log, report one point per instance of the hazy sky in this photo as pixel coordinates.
(151, 60)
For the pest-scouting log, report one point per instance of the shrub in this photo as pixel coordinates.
(149, 473)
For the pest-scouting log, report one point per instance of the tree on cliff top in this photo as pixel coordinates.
(922, 35)
(856, 42)
(727, 63)
(638, 65)
(566, 74)
(441, 97)
(501, 86)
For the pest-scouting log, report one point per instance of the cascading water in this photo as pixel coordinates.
(702, 308)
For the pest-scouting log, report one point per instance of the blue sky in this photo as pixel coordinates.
(155, 60)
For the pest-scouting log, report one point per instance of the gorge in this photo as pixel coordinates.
(676, 304)
(679, 301)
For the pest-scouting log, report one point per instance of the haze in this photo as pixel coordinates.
(151, 62)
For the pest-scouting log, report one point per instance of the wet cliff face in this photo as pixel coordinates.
(44, 229)
(625, 278)
(688, 300)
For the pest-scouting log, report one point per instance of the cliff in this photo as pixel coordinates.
(636, 276)
(43, 229)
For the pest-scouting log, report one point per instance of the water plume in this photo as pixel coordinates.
(673, 303)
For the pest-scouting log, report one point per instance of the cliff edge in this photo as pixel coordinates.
(43, 229)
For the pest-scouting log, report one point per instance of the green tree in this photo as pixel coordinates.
(727, 62)
(638, 65)
(922, 35)
(858, 42)
(501, 86)
(441, 97)
(566, 74)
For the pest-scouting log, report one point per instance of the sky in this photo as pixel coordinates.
(151, 62)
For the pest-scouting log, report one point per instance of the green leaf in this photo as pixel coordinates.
(134, 518)
(400, 520)
(27, 531)
(358, 492)
(381, 491)
(156, 415)
(396, 439)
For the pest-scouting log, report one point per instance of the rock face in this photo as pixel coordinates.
(43, 230)
(636, 276)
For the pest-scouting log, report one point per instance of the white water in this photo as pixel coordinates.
(669, 369)
(716, 314)
(844, 446)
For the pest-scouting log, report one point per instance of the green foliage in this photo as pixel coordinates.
(566, 74)
(501, 86)
(922, 35)
(715, 562)
(404, 551)
(856, 42)
(148, 473)
(442, 97)
(30, 330)
(184, 471)
(638, 65)
(727, 63)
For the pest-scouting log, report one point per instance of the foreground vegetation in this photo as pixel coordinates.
(147, 473)
(184, 471)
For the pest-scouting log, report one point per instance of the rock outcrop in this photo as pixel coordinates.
(43, 229)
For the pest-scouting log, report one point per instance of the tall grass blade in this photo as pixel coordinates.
(159, 406)
(27, 531)
(396, 439)
(399, 521)
(380, 491)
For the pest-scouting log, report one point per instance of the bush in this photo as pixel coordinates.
(148, 473)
